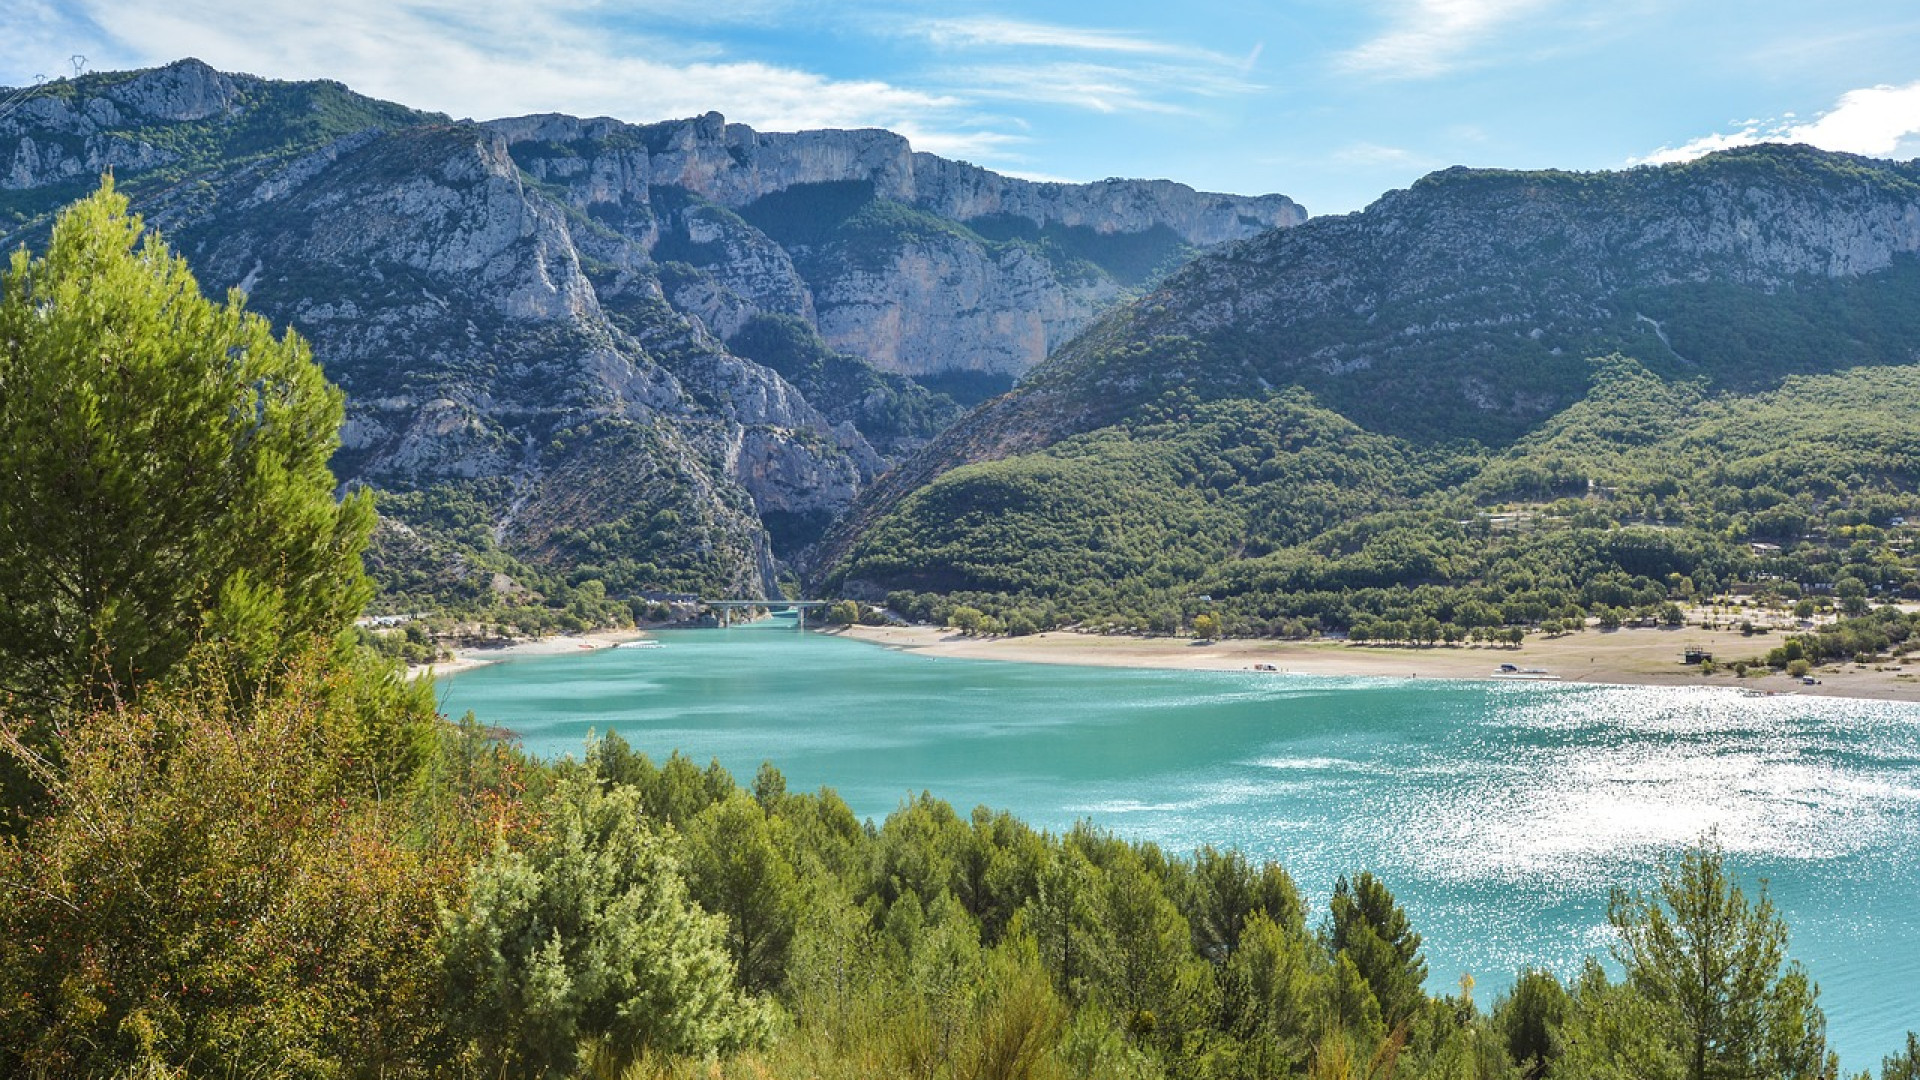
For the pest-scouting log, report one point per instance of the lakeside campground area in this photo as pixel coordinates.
(1635, 656)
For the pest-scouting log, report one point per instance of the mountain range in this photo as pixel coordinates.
(655, 356)
(587, 354)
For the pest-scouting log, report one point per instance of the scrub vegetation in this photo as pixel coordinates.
(1282, 518)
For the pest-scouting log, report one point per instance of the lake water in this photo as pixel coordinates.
(1499, 813)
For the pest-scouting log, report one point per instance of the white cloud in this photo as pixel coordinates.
(1871, 121)
(1874, 121)
(1099, 70)
(1431, 37)
(484, 60)
(1016, 33)
(1700, 147)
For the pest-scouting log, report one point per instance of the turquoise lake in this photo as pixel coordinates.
(1499, 813)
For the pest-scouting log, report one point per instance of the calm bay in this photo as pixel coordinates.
(1499, 813)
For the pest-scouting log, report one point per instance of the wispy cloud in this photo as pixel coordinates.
(1101, 88)
(1373, 155)
(1039, 177)
(1015, 33)
(1874, 121)
(493, 59)
(1097, 69)
(1820, 52)
(1432, 37)
(40, 42)
(996, 146)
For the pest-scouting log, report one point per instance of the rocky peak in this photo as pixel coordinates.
(183, 90)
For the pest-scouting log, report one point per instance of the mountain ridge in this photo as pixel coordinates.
(1457, 317)
(505, 302)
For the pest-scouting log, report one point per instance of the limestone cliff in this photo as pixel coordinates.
(912, 262)
(535, 320)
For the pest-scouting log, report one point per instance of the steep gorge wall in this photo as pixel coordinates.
(922, 300)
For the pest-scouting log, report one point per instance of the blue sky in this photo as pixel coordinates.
(1329, 101)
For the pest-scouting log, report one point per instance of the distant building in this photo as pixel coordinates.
(1697, 656)
(659, 597)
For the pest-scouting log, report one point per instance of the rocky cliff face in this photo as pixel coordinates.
(531, 318)
(963, 269)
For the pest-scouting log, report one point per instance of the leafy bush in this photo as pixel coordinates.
(589, 938)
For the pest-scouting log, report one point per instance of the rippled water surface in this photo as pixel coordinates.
(1499, 813)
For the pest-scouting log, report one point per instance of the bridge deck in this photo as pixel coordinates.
(765, 603)
(727, 607)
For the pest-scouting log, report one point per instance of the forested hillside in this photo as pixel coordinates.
(1494, 400)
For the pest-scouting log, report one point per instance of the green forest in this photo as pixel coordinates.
(1279, 517)
(236, 842)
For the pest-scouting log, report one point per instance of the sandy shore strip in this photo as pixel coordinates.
(558, 645)
(1628, 656)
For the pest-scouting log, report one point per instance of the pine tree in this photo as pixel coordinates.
(1717, 965)
(163, 472)
(589, 940)
(1372, 930)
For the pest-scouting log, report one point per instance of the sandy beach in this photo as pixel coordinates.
(466, 659)
(1629, 656)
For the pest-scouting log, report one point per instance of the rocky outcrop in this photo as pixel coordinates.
(188, 90)
(1018, 270)
(72, 131)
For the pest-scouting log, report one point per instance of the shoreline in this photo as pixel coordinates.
(1630, 656)
(479, 656)
(1635, 656)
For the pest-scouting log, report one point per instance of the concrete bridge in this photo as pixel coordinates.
(726, 608)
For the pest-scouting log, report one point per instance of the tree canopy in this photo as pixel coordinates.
(163, 475)
(1714, 965)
